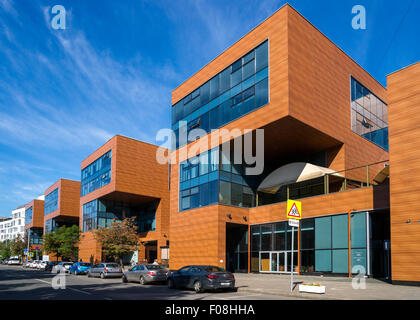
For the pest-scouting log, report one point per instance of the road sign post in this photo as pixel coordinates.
(294, 213)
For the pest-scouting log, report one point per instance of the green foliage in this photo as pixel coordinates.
(119, 239)
(18, 245)
(62, 242)
(5, 251)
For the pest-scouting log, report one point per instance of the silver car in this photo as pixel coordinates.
(105, 270)
(145, 273)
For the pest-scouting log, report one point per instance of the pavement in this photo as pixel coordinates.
(17, 283)
(337, 288)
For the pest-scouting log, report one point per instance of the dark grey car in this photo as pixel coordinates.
(146, 273)
(202, 278)
(105, 270)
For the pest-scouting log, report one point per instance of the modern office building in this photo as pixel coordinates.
(62, 204)
(122, 179)
(34, 223)
(404, 155)
(325, 143)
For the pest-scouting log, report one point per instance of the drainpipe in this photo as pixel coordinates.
(349, 231)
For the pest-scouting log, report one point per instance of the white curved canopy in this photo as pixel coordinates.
(292, 173)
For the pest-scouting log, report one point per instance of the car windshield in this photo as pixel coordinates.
(84, 264)
(67, 264)
(213, 269)
(155, 266)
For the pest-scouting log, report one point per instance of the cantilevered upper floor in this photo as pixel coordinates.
(286, 77)
(62, 204)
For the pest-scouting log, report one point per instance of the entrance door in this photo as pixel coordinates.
(273, 261)
(236, 247)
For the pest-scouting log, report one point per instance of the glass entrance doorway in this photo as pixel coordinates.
(277, 261)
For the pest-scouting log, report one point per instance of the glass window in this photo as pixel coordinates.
(261, 93)
(96, 175)
(205, 93)
(340, 261)
(214, 119)
(214, 87)
(323, 233)
(51, 202)
(224, 192)
(358, 230)
(224, 80)
(323, 260)
(236, 195)
(204, 194)
(248, 70)
(236, 78)
(266, 237)
(261, 56)
(340, 231)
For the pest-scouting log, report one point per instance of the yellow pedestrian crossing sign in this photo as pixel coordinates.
(294, 209)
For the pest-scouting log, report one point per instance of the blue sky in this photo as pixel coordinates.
(63, 93)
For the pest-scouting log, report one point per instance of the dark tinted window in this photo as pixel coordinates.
(213, 269)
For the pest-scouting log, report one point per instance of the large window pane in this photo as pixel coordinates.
(248, 69)
(205, 93)
(323, 233)
(266, 237)
(307, 234)
(224, 192)
(340, 261)
(224, 83)
(323, 260)
(214, 87)
(358, 230)
(340, 231)
(261, 56)
(236, 195)
(204, 194)
(261, 93)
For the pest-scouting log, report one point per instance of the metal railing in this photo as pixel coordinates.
(338, 181)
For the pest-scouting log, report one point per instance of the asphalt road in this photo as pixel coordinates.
(18, 283)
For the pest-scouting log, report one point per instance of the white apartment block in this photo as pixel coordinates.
(12, 227)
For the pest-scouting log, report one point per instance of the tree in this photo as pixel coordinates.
(119, 239)
(51, 244)
(5, 251)
(68, 237)
(18, 245)
(63, 242)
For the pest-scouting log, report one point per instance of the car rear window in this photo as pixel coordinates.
(155, 266)
(84, 264)
(213, 269)
(112, 265)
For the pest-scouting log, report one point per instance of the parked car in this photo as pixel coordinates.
(80, 268)
(48, 265)
(41, 265)
(4, 261)
(34, 264)
(14, 261)
(146, 273)
(201, 278)
(62, 267)
(27, 263)
(105, 270)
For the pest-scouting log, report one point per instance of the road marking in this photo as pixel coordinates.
(77, 290)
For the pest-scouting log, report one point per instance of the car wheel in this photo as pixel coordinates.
(89, 275)
(142, 281)
(171, 284)
(124, 279)
(102, 275)
(198, 287)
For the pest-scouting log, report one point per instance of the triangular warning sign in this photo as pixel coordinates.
(294, 212)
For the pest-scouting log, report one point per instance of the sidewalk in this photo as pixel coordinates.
(336, 288)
